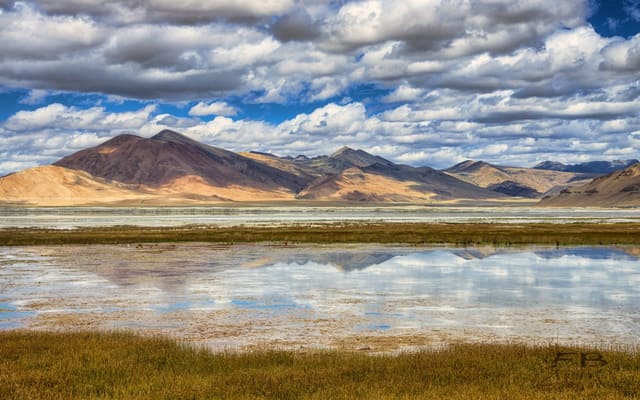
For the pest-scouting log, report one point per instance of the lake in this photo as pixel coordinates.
(228, 215)
(344, 296)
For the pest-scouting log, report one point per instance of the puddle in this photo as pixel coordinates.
(317, 296)
(11, 317)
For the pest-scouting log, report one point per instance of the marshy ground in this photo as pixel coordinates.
(101, 365)
(458, 234)
(125, 366)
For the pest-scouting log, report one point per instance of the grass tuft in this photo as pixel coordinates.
(37, 365)
(463, 234)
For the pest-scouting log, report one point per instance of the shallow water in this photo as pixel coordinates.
(74, 217)
(352, 296)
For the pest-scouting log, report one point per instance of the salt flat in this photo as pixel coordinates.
(265, 215)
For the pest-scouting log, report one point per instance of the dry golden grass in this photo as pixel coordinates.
(464, 234)
(123, 366)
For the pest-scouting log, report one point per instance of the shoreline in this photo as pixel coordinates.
(417, 234)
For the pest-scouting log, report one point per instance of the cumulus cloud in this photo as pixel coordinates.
(296, 26)
(287, 48)
(185, 12)
(59, 117)
(622, 55)
(215, 108)
(508, 81)
(402, 94)
(29, 35)
(43, 135)
(35, 96)
(306, 51)
(437, 143)
(456, 28)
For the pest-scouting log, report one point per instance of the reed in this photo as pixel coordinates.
(38, 365)
(463, 234)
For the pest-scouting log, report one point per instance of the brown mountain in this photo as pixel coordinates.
(390, 182)
(590, 167)
(172, 168)
(57, 186)
(355, 175)
(51, 185)
(174, 163)
(618, 189)
(516, 181)
(306, 173)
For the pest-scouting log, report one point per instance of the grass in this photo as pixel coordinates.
(36, 365)
(466, 234)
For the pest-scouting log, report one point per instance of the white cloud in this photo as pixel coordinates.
(622, 55)
(458, 28)
(332, 119)
(506, 80)
(27, 34)
(48, 133)
(215, 108)
(403, 94)
(207, 9)
(35, 96)
(39, 118)
(60, 117)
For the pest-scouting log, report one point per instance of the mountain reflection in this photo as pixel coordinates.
(508, 291)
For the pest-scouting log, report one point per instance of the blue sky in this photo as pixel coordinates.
(422, 82)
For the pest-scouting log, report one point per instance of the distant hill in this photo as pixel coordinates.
(170, 160)
(170, 168)
(617, 189)
(591, 167)
(393, 183)
(173, 168)
(51, 185)
(515, 181)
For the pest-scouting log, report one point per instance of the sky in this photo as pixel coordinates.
(420, 82)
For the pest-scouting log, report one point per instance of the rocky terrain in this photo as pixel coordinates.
(170, 168)
(617, 189)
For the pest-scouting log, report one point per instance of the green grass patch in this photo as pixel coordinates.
(465, 234)
(35, 365)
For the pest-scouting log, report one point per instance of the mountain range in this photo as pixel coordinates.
(591, 167)
(170, 168)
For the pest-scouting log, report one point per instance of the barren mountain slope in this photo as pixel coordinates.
(172, 162)
(515, 181)
(57, 186)
(393, 183)
(618, 189)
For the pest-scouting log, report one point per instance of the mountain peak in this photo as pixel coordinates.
(358, 158)
(550, 165)
(167, 135)
(590, 167)
(469, 166)
(344, 150)
(121, 139)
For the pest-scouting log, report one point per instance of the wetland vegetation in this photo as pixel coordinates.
(37, 365)
(458, 234)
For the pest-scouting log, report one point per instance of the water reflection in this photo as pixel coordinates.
(318, 294)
